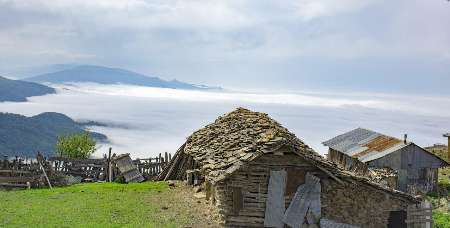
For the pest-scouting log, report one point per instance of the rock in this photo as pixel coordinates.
(171, 183)
(197, 188)
(200, 195)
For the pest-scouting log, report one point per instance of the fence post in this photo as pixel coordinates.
(165, 158)
(109, 166)
(159, 163)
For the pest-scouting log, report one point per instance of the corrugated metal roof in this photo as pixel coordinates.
(366, 145)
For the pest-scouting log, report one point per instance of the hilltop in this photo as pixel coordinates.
(107, 75)
(19, 91)
(24, 136)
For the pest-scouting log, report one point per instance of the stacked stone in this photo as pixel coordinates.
(384, 176)
(240, 136)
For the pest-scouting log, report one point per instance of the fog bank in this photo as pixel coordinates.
(147, 121)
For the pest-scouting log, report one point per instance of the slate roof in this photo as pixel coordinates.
(238, 137)
(242, 135)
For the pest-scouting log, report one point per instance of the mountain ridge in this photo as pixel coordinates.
(109, 75)
(24, 136)
(19, 91)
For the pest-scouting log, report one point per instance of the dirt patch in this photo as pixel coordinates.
(182, 206)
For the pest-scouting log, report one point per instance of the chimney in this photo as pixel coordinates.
(405, 137)
(448, 145)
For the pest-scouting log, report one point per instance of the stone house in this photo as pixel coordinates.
(258, 174)
(417, 168)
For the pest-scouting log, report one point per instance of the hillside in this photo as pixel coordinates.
(24, 136)
(148, 204)
(106, 75)
(16, 90)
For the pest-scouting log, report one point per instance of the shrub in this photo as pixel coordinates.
(79, 145)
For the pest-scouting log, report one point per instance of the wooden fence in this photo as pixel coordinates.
(18, 172)
(152, 167)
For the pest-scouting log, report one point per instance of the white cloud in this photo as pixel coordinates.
(215, 38)
(312, 9)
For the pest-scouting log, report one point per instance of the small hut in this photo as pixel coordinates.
(258, 174)
(417, 168)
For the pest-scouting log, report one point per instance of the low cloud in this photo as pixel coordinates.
(160, 120)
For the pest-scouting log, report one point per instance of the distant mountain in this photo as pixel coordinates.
(106, 75)
(15, 90)
(24, 136)
(30, 71)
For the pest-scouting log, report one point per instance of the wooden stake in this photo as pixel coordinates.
(45, 174)
(110, 174)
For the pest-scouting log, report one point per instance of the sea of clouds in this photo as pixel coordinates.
(146, 121)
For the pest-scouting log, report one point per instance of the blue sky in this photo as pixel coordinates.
(331, 45)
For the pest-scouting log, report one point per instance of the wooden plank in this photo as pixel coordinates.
(303, 198)
(45, 174)
(295, 178)
(14, 171)
(16, 179)
(238, 202)
(14, 185)
(275, 206)
(315, 208)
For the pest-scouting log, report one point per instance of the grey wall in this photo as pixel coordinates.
(410, 163)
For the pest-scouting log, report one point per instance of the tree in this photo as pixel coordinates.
(79, 145)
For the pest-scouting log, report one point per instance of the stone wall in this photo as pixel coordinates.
(349, 203)
(358, 204)
(252, 181)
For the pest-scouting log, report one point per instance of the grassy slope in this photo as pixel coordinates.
(96, 205)
(441, 216)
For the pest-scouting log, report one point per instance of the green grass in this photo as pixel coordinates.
(91, 205)
(441, 219)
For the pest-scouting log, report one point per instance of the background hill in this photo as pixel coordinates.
(24, 136)
(106, 75)
(15, 90)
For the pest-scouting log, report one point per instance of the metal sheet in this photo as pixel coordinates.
(366, 145)
(307, 198)
(275, 206)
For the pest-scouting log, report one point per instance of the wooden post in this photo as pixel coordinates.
(170, 157)
(45, 174)
(448, 145)
(166, 157)
(110, 174)
(159, 163)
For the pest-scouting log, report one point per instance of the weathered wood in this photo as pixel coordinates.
(14, 185)
(45, 173)
(128, 169)
(110, 173)
(16, 179)
(304, 197)
(295, 178)
(275, 201)
(238, 202)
